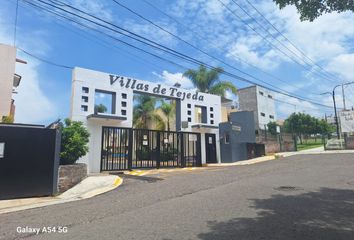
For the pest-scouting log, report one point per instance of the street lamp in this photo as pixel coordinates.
(334, 102)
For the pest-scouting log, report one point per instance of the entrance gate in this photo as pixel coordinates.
(127, 148)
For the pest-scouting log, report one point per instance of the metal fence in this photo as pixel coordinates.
(127, 148)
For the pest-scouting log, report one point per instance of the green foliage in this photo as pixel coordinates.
(310, 10)
(7, 119)
(100, 108)
(302, 124)
(74, 140)
(143, 110)
(272, 128)
(169, 111)
(208, 81)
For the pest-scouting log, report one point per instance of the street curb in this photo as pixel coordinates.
(244, 162)
(47, 201)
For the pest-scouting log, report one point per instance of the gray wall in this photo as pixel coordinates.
(236, 149)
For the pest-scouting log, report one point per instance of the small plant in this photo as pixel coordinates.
(74, 140)
(7, 119)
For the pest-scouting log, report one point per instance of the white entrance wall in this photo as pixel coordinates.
(86, 82)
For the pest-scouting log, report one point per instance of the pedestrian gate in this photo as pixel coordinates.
(127, 148)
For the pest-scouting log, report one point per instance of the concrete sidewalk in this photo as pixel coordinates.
(87, 188)
(319, 150)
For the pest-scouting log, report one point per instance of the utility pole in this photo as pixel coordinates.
(334, 102)
(343, 94)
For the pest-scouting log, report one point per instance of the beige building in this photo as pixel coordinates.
(9, 80)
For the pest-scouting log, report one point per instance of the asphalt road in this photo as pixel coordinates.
(300, 197)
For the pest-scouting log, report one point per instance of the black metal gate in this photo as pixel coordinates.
(127, 148)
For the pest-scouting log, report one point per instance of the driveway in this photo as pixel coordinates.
(299, 197)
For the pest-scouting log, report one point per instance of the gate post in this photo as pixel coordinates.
(158, 144)
(130, 148)
(199, 151)
(183, 160)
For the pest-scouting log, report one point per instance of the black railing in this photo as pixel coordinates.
(126, 148)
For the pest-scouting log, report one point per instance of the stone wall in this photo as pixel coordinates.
(70, 175)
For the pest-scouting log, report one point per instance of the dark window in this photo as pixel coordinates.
(270, 96)
(84, 99)
(124, 112)
(211, 115)
(189, 105)
(271, 116)
(211, 121)
(85, 89)
(124, 104)
(84, 108)
(189, 119)
(227, 138)
(211, 109)
(189, 112)
(261, 93)
(124, 95)
(262, 114)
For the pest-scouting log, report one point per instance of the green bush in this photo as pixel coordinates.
(74, 140)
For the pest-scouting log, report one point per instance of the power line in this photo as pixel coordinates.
(183, 56)
(297, 48)
(271, 44)
(201, 38)
(44, 60)
(186, 42)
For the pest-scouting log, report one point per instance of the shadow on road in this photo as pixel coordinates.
(326, 214)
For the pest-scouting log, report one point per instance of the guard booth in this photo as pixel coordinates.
(115, 145)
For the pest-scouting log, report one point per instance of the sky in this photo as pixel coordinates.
(217, 32)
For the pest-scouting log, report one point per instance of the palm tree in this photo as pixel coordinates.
(144, 112)
(208, 81)
(168, 110)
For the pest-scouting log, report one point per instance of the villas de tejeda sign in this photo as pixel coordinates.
(156, 89)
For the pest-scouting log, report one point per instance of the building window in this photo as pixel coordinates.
(211, 121)
(84, 99)
(271, 116)
(227, 138)
(189, 112)
(211, 115)
(124, 104)
(105, 102)
(189, 119)
(270, 96)
(124, 95)
(211, 109)
(189, 105)
(85, 90)
(84, 108)
(124, 112)
(200, 114)
(262, 114)
(261, 93)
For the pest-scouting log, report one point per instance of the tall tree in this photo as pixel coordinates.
(312, 9)
(208, 81)
(144, 112)
(168, 109)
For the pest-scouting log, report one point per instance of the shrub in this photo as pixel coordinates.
(74, 140)
(7, 119)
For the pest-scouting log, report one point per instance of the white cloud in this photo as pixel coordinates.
(32, 104)
(343, 65)
(172, 78)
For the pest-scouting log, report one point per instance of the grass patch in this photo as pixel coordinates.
(309, 145)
